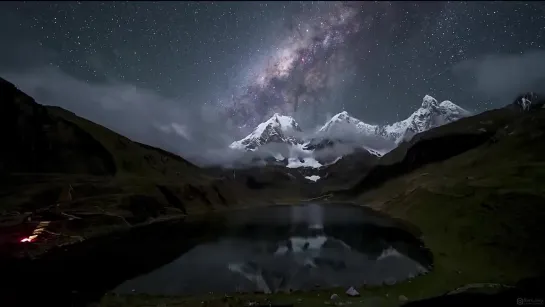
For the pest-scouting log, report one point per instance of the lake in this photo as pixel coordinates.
(285, 248)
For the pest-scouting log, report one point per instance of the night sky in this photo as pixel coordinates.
(192, 77)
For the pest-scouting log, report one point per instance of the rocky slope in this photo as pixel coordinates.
(528, 101)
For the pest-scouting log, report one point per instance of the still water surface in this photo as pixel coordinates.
(283, 248)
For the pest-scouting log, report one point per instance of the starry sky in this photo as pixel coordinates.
(192, 77)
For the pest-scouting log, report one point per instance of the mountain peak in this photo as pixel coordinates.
(429, 102)
(274, 130)
(276, 116)
(342, 127)
(342, 116)
(342, 122)
(431, 114)
(285, 123)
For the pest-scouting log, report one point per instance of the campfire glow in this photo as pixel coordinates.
(41, 227)
(29, 239)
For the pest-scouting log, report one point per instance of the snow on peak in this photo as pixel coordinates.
(342, 122)
(448, 107)
(431, 114)
(343, 128)
(429, 102)
(284, 123)
(275, 129)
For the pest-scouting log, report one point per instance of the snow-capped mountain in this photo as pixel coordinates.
(341, 129)
(343, 122)
(431, 114)
(277, 129)
(344, 134)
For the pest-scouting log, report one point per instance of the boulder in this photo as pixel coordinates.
(352, 292)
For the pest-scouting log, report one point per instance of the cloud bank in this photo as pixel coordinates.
(504, 76)
(140, 114)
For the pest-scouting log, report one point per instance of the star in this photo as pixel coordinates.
(248, 60)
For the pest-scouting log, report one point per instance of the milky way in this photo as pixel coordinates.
(303, 68)
(190, 76)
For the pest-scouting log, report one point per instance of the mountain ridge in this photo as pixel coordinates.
(342, 129)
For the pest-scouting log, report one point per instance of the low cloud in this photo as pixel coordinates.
(335, 151)
(138, 113)
(504, 76)
(350, 134)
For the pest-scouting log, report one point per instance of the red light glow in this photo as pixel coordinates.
(28, 239)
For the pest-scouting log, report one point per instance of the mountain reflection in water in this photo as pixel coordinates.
(290, 248)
